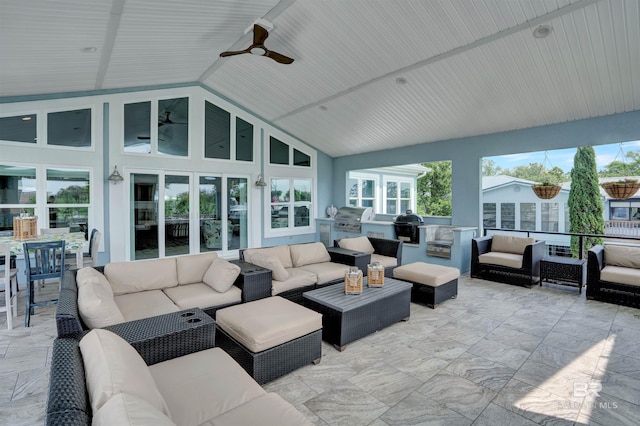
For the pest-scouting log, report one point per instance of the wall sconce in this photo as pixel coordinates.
(260, 183)
(115, 176)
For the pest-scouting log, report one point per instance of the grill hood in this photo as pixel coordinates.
(349, 218)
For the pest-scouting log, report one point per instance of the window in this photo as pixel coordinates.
(398, 196)
(20, 128)
(17, 193)
(68, 202)
(508, 215)
(567, 218)
(279, 154)
(362, 192)
(549, 215)
(217, 132)
(489, 215)
(69, 128)
(290, 212)
(244, 140)
(137, 127)
(528, 216)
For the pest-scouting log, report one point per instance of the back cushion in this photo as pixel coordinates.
(625, 256)
(86, 274)
(125, 409)
(281, 252)
(141, 275)
(306, 254)
(192, 267)
(112, 366)
(509, 244)
(357, 244)
(96, 304)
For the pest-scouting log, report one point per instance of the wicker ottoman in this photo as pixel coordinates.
(270, 337)
(432, 284)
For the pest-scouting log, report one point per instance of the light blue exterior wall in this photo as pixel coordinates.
(466, 155)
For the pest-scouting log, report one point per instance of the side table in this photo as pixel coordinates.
(564, 271)
(350, 258)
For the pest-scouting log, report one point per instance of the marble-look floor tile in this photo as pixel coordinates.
(23, 359)
(459, 332)
(27, 411)
(561, 359)
(571, 328)
(621, 364)
(621, 386)
(458, 394)
(514, 338)
(481, 371)
(415, 409)
(502, 354)
(386, 383)
(291, 388)
(574, 344)
(529, 325)
(32, 382)
(495, 415)
(557, 381)
(446, 349)
(609, 410)
(324, 376)
(7, 386)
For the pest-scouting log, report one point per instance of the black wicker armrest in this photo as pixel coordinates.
(533, 254)
(254, 281)
(595, 263)
(481, 245)
(168, 336)
(350, 257)
(387, 247)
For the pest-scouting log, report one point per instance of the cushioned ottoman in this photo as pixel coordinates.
(270, 337)
(432, 284)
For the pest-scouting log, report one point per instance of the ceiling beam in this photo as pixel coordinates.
(109, 40)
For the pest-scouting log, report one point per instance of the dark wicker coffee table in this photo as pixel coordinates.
(346, 318)
(564, 271)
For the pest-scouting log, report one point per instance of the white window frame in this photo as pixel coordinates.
(398, 180)
(361, 177)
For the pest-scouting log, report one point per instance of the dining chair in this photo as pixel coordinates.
(9, 282)
(94, 244)
(43, 260)
(64, 230)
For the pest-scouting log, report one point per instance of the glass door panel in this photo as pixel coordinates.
(210, 207)
(237, 235)
(176, 215)
(144, 216)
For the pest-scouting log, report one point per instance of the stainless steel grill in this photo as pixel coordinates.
(349, 219)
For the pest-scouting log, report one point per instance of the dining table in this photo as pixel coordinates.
(75, 242)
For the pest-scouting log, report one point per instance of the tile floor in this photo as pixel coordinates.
(496, 355)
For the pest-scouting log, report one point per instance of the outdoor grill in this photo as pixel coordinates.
(406, 226)
(349, 219)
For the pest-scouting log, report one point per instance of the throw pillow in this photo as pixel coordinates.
(278, 272)
(96, 304)
(85, 274)
(113, 366)
(221, 275)
(357, 244)
(126, 409)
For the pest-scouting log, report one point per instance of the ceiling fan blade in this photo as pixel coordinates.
(278, 57)
(144, 138)
(259, 35)
(234, 52)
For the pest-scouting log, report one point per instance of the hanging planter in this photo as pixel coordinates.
(621, 190)
(546, 190)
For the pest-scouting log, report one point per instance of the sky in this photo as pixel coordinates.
(563, 158)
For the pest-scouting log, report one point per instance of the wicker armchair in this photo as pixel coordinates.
(384, 247)
(601, 288)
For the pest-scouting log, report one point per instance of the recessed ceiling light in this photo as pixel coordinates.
(322, 108)
(90, 49)
(542, 31)
(401, 80)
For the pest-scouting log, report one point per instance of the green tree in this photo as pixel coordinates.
(623, 168)
(536, 172)
(489, 168)
(434, 190)
(585, 204)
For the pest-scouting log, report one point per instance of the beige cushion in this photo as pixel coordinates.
(113, 366)
(203, 385)
(357, 244)
(306, 254)
(426, 273)
(281, 252)
(386, 261)
(297, 278)
(221, 275)
(96, 304)
(144, 304)
(509, 244)
(271, 409)
(202, 296)
(269, 322)
(140, 275)
(270, 262)
(621, 275)
(192, 267)
(125, 409)
(502, 259)
(85, 274)
(625, 256)
(326, 271)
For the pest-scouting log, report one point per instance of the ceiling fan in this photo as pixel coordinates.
(167, 120)
(260, 34)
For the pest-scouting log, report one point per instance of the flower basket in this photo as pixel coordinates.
(546, 191)
(621, 190)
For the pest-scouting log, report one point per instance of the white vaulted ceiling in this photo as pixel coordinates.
(471, 67)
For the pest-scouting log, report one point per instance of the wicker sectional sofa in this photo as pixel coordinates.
(132, 291)
(102, 380)
(613, 274)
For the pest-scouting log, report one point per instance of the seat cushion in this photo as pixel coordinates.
(622, 275)
(125, 409)
(510, 244)
(281, 252)
(509, 260)
(96, 304)
(326, 271)
(386, 261)
(202, 385)
(113, 366)
(141, 275)
(357, 244)
(306, 254)
(192, 267)
(144, 304)
(221, 275)
(297, 278)
(202, 296)
(426, 273)
(270, 262)
(624, 256)
(269, 322)
(271, 409)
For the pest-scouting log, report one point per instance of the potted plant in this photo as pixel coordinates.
(621, 189)
(546, 189)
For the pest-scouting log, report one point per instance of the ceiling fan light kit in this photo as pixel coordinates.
(261, 30)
